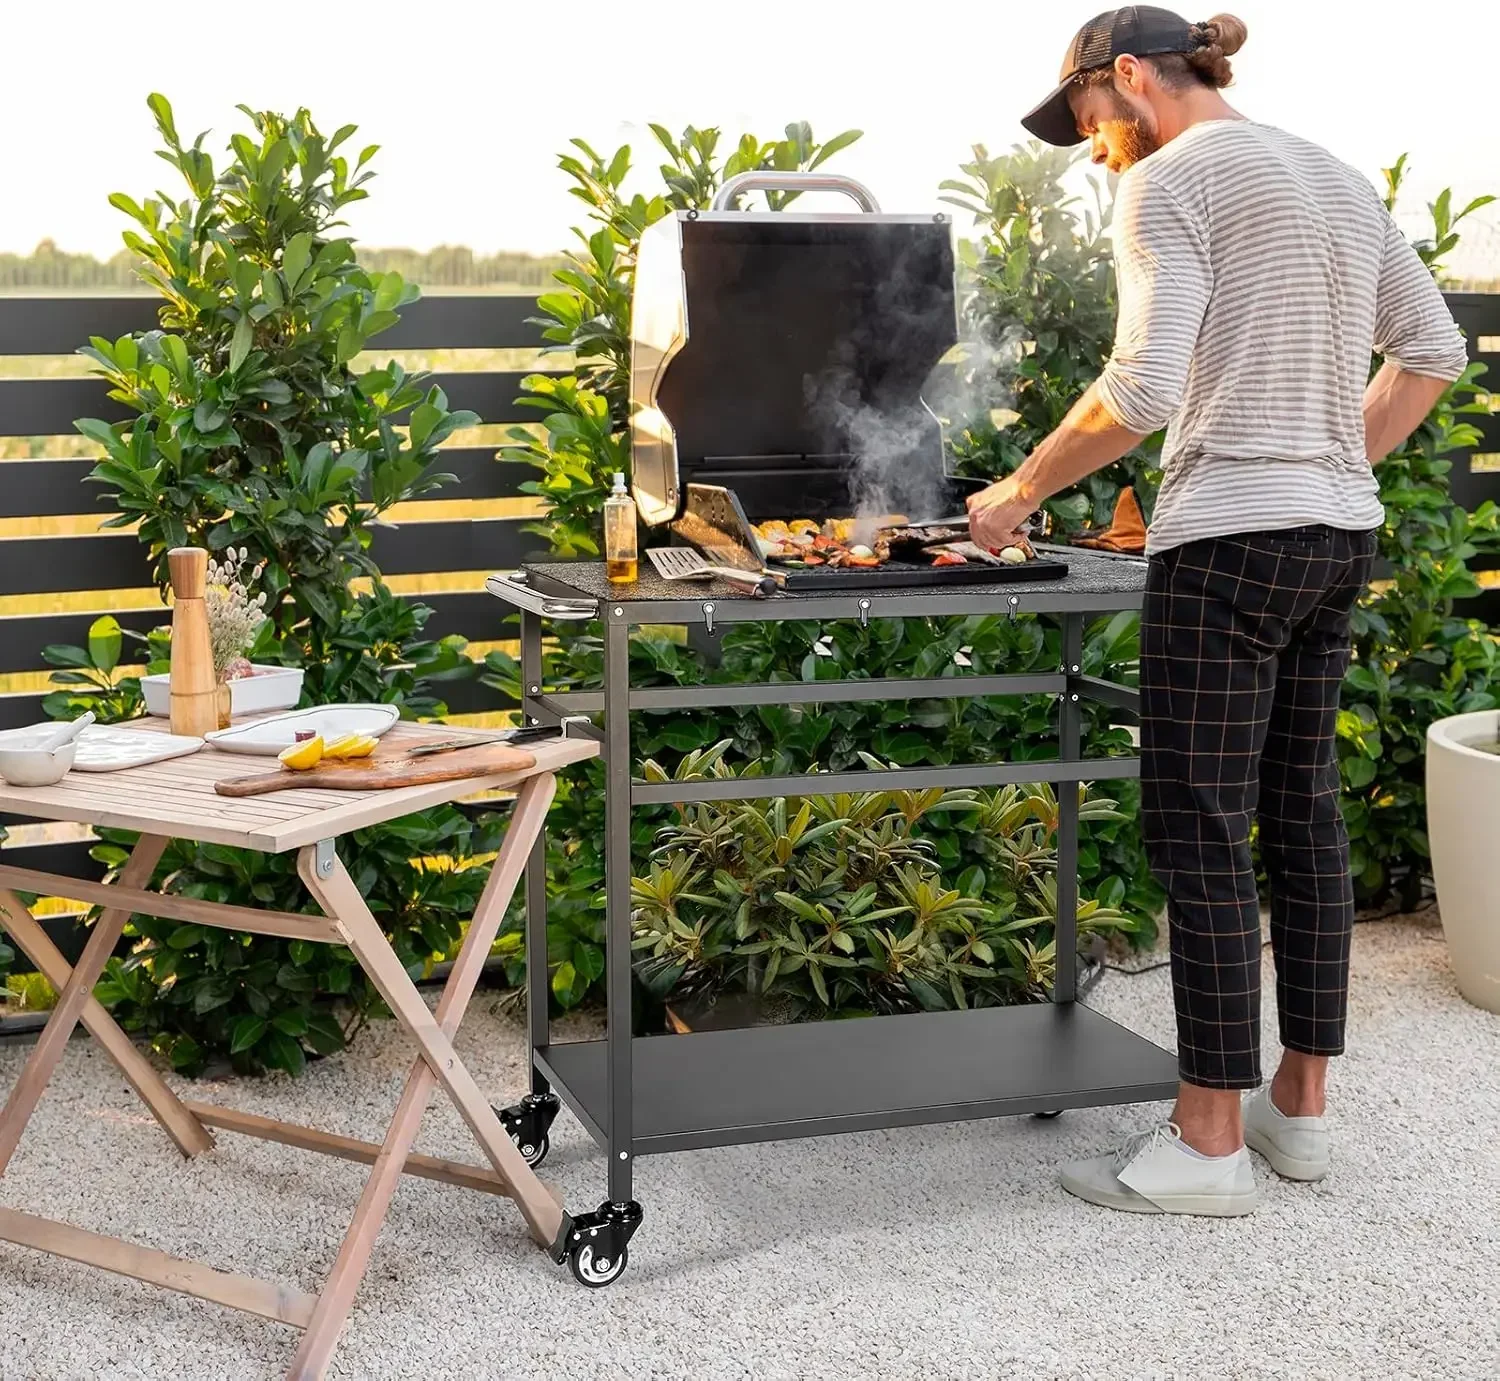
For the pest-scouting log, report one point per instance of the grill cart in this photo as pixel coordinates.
(743, 324)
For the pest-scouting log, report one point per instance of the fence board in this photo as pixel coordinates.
(48, 488)
(46, 565)
(113, 561)
(477, 616)
(53, 488)
(49, 407)
(23, 637)
(443, 321)
(69, 860)
(470, 544)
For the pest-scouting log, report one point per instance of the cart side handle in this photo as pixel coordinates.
(513, 589)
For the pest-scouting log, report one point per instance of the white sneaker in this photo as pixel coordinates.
(1296, 1148)
(1156, 1172)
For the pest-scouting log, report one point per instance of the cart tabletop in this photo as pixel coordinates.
(1096, 582)
(176, 798)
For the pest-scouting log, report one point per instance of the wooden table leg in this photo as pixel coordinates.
(177, 1120)
(341, 901)
(71, 1001)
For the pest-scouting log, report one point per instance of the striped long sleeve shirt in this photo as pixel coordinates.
(1257, 274)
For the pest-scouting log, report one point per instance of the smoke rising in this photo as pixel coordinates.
(897, 445)
(872, 403)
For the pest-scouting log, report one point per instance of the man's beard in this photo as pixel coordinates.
(1135, 135)
(1137, 140)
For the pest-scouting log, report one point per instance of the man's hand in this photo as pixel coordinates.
(996, 514)
(1088, 440)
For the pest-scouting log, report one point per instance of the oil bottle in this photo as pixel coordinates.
(619, 534)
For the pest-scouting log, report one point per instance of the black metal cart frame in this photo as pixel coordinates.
(639, 1095)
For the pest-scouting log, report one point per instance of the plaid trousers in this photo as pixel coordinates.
(1244, 644)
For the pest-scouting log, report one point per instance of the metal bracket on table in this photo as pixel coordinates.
(1015, 607)
(324, 857)
(514, 589)
(864, 613)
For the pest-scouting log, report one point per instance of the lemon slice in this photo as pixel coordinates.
(362, 746)
(341, 746)
(300, 756)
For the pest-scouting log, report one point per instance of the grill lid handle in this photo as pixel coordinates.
(736, 187)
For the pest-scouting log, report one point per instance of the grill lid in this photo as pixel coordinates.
(783, 355)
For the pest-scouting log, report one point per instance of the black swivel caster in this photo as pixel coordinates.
(1048, 1116)
(595, 1245)
(528, 1122)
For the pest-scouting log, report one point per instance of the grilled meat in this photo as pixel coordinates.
(805, 543)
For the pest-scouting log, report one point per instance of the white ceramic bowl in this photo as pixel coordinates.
(21, 766)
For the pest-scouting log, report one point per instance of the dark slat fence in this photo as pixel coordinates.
(1476, 474)
(111, 562)
(31, 565)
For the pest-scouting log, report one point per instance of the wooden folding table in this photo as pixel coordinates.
(176, 799)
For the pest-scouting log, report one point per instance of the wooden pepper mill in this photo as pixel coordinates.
(193, 691)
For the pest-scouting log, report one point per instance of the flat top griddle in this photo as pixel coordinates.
(914, 575)
(1094, 580)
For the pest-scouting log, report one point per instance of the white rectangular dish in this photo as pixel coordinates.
(109, 748)
(271, 688)
(267, 737)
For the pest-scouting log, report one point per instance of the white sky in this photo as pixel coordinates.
(471, 101)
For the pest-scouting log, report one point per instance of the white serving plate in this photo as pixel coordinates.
(109, 748)
(267, 737)
(272, 688)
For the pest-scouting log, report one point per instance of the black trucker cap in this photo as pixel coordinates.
(1141, 30)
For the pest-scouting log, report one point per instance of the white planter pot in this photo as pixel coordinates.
(1463, 826)
(271, 688)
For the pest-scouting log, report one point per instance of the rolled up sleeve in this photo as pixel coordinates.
(1414, 330)
(1163, 279)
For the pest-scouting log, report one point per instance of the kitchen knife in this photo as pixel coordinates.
(515, 737)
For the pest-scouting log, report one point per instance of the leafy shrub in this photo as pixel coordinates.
(1038, 312)
(253, 428)
(198, 991)
(1415, 660)
(839, 902)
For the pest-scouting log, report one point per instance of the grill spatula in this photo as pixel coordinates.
(683, 563)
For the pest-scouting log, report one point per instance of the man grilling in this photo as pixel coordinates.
(1257, 274)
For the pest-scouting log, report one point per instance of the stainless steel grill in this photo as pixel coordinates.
(778, 368)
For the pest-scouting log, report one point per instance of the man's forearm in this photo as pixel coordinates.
(1396, 401)
(1088, 439)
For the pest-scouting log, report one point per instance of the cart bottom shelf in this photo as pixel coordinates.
(770, 1083)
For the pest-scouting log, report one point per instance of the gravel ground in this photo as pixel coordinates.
(920, 1252)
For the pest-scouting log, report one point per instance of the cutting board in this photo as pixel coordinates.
(384, 771)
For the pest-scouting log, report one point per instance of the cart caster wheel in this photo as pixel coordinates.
(595, 1272)
(596, 1245)
(528, 1122)
(1048, 1116)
